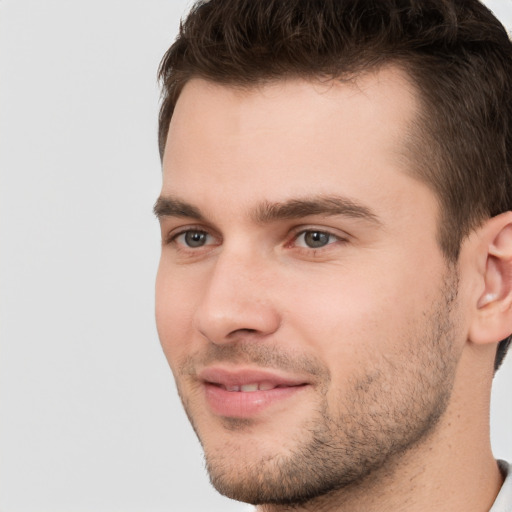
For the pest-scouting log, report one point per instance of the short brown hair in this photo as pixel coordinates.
(456, 53)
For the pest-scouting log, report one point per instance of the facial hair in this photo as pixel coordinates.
(383, 412)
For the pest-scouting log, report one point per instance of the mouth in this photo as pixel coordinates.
(244, 393)
(251, 388)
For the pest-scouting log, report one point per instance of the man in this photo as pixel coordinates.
(335, 286)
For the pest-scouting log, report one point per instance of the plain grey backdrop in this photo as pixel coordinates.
(89, 418)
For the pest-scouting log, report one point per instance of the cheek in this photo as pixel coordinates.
(174, 299)
(346, 316)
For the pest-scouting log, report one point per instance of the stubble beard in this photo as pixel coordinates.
(382, 414)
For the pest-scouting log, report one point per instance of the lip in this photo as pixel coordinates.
(245, 404)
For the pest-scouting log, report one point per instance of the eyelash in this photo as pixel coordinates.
(312, 231)
(172, 238)
(184, 233)
(183, 247)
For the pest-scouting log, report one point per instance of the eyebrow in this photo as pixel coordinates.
(267, 212)
(171, 207)
(322, 205)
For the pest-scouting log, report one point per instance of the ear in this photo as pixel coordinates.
(492, 321)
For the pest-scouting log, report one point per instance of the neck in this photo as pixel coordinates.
(451, 469)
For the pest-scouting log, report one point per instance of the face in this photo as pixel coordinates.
(303, 302)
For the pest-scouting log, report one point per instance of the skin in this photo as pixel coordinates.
(376, 321)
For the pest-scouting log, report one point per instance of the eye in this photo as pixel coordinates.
(193, 238)
(314, 239)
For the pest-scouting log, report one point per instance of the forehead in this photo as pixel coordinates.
(277, 140)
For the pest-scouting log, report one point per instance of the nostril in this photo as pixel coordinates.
(221, 318)
(243, 331)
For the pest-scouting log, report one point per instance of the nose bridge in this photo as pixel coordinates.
(237, 298)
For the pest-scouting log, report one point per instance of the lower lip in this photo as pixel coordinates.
(239, 404)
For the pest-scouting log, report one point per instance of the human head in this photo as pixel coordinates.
(311, 322)
(456, 54)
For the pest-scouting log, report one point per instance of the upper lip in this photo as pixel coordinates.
(244, 376)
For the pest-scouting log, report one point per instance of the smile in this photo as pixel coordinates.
(246, 393)
(250, 388)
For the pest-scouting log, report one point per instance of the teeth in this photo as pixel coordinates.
(248, 388)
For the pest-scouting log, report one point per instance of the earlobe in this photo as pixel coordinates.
(492, 321)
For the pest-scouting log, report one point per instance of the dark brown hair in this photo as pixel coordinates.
(455, 52)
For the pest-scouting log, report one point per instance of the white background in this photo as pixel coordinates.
(89, 419)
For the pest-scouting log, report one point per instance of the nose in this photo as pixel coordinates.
(237, 301)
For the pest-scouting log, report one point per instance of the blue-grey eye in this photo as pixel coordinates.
(315, 239)
(195, 238)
